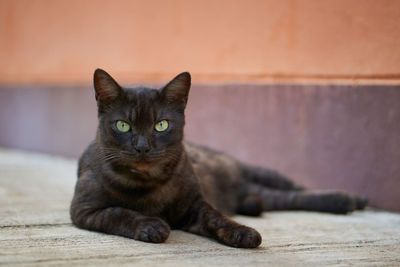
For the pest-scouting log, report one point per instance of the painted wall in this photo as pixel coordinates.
(251, 40)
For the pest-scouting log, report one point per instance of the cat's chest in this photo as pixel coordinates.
(150, 202)
(155, 203)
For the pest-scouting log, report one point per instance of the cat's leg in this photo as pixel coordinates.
(333, 202)
(88, 211)
(267, 177)
(250, 205)
(273, 199)
(122, 222)
(204, 220)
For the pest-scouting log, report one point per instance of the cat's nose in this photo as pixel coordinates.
(142, 146)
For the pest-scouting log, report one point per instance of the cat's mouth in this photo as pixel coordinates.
(140, 163)
(141, 159)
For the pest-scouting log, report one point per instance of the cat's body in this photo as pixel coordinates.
(138, 178)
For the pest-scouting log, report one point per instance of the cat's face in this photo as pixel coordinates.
(140, 124)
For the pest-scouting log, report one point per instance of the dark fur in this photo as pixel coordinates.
(141, 183)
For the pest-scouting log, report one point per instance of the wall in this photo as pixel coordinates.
(327, 137)
(64, 41)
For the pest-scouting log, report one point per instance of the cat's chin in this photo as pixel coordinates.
(141, 166)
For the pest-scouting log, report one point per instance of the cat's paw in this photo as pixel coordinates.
(339, 203)
(152, 230)
(239, 236)
(361, 202)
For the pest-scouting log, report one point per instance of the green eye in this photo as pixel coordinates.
(161, 126)
(123, 126)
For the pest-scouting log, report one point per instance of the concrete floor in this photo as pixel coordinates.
(35, 229)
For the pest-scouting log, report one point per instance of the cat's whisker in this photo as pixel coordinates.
(109, 155)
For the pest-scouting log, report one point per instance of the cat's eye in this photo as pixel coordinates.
(123, 126)
(161, 126)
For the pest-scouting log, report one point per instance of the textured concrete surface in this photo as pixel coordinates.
(35, 229)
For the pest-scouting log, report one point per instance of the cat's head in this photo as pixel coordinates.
(140, 124)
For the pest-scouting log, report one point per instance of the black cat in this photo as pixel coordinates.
(138, 178)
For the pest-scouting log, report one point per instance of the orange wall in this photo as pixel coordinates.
(64, 41)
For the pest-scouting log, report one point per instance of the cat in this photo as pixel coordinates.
(139, 179)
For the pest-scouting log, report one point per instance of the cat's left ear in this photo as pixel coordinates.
(176, 92)
(106, 88)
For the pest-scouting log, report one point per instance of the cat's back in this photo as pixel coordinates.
(219, 174)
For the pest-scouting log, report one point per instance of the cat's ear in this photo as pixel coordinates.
(106, 88)
(177, 90)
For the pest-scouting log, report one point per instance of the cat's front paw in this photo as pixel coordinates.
(239, 236)
(152, 230)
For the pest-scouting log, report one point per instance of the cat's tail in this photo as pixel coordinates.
(268, 178)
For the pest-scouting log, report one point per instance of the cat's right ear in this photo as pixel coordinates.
(106, 88)
(177, 90)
